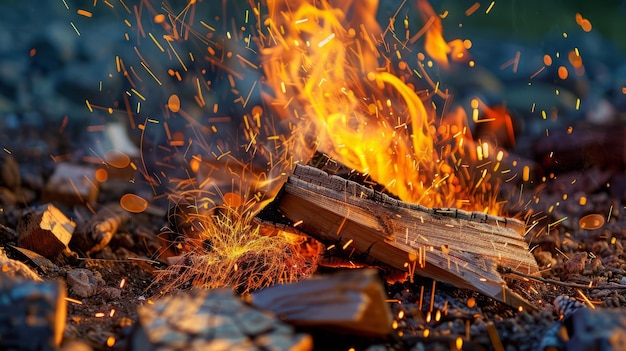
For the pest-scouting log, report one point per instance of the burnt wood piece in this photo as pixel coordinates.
(46, 231)
(350, 302)
(33, 259)
(16, 269)
(462, 248)
(97, 232)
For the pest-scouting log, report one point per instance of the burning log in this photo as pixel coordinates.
(462, 248)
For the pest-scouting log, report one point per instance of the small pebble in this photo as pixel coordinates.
(83, 282)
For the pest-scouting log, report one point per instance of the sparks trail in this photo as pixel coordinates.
(314, 56)
(331, 83)
(231, 103)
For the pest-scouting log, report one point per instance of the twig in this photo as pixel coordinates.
(506, 270)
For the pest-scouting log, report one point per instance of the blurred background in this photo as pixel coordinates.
(58, 66)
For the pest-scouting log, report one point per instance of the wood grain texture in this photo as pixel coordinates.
(458, 247)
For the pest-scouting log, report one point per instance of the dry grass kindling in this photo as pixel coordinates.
(232, 251)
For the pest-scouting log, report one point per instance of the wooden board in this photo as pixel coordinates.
(450, 245)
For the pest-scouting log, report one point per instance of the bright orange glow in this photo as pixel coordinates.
(111, 341)
(101, 175)
(133, 203)
(435, 46)
(232, 200)
(563, 73)
(584, 23)
(500, 121)
(471, 302)
(173, 103)
(472, 9)
(547, 60)
(159, 18)
(592, 221)
(117, 159)
(574, 58)
(458, 49)
(194, 164)
(359, 110)
(84, 13)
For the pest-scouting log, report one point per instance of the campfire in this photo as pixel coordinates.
(276, 173)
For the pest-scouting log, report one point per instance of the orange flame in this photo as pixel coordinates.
(329, 72)
(331, 80)
(434, 45)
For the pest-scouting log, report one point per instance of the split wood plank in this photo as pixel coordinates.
(450, 245)
(350, 302)
(46, 231)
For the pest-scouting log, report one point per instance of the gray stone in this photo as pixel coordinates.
(83, 282)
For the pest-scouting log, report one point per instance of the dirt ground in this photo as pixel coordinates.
(570, 256)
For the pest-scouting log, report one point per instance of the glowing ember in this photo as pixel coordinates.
(101, 175)
(232, 199)
(584, 23)
(117, 159)
(592, 221)
(173, 103)
(133, 203)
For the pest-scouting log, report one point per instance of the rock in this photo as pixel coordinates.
(110, 293)
(597, 330)
(72, 185)
(83, 282)
(16, 269)
(212, 320)
(576, 263)
(32, 314)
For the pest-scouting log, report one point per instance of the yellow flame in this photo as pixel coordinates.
(435, 46)
(329, 70)
(331, 80)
